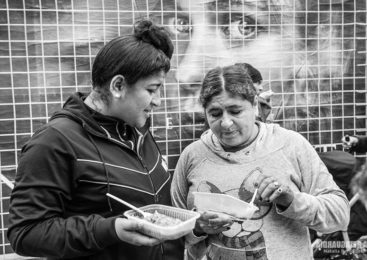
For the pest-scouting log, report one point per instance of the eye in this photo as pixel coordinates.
(241, 27)
(179, 25)
(236, 112)
(215, 113)
(152, 90)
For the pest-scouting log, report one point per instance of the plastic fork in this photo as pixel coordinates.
(144, 214)
(253, 197)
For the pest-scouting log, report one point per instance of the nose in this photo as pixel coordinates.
(156, 100)
(206, 50)
(226, 122)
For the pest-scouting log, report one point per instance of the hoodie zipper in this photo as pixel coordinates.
(139, 142)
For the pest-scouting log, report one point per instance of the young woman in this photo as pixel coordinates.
(238, 156)
(98, 143)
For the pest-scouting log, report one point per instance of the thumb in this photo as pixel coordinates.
(128, 224)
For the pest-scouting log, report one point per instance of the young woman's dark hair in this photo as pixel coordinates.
(233, 79)
(147, 51)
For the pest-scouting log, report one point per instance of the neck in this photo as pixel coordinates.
(94, 102)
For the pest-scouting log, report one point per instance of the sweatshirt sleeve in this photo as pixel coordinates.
(320, 204)
(44, 186)
(179, 193)
(179, 185)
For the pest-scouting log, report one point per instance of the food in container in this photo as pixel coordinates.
(176, 230)
(162, 220)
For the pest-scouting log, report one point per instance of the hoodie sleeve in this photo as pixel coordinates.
(179, 185)
(321, 204)
(44, 186)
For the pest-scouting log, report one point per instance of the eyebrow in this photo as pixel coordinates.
(214, 109)
(233, 106)
(227, 107)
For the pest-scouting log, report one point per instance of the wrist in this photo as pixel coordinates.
(284, 200)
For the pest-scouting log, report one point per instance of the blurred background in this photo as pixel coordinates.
(311, 54)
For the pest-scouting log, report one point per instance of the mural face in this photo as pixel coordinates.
(219, 33)
(299, 47)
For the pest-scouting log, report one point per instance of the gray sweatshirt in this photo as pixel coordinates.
(318, 203)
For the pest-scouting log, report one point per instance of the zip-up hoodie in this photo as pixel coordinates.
(271, 233)
(59, 208)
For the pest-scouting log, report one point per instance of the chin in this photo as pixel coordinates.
(228, 143)
(140, 125)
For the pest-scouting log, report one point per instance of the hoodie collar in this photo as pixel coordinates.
(260, 147)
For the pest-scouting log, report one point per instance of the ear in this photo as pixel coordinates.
(118, 86)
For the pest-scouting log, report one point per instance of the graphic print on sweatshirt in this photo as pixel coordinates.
(244, 236)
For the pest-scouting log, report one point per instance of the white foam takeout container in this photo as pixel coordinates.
(206, 201)
(187, 217)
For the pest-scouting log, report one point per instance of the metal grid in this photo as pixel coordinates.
(312, 55)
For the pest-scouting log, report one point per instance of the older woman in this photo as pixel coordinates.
(99, 142)
(238, 155)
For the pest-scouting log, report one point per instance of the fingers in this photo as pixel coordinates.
(278, 192)
(349, 141)
(271, 190)
(213, 222)
(224, 220)
(131, 232)
(266, 185)
(216, 218)
(212, 229)
(207, 215)
(142, 240)
(346, 142)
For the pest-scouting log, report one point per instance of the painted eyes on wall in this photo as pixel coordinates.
(180, 25)
(238, 27)
(243, 27)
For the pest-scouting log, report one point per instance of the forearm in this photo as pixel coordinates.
(62, 238)
(40, 224)
(319, 203)
(324, 213)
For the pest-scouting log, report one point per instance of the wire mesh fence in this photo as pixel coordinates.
(312, 56)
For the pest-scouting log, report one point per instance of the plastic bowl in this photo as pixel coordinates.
(187, 217)
(205, 201)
